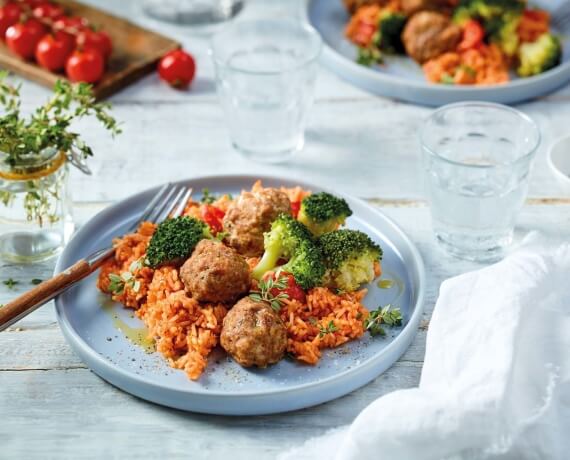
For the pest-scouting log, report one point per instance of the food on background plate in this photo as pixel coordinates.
(429, 34)
(195, 290)
(57, 42)
(463, 42)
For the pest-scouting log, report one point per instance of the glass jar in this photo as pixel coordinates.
(36, 219)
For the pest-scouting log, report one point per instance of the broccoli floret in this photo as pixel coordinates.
(323, 212)
(500, 19)
(486, 9)
(289, 239)
(174, 240)
(539, 56)
(350, 256)
(390, 27)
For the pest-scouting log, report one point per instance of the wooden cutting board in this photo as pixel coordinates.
(135, 52)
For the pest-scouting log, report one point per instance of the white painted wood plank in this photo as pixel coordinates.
(73, 414)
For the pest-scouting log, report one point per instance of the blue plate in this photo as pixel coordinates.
(402, 78)
(89, 322)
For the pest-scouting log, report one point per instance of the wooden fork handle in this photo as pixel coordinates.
(42, 293)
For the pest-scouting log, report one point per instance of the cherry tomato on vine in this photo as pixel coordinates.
(48, 10)
(23, 37)
(87, 66)
(177, 68)
(213, 217)
(53, 50)
(32, 3)
(73, 24)
(9, 15)
(100, 41)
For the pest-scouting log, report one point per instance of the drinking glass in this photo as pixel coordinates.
(265, 75)
(192, 12)
(36, 219)
(477, 158)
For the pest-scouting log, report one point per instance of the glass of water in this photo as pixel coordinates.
(477, 159)
(192, 12)
(265, 74)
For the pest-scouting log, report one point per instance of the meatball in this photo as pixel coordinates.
(215, 273)
(251, 215)
(442, 6)
(253, 334)
(429, 34)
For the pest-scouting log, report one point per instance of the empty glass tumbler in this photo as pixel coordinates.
(477, 158)
(265, 74)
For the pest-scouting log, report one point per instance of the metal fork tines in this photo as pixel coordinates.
(170, 201)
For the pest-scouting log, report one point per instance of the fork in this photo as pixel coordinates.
(170, 201)
(561, 16)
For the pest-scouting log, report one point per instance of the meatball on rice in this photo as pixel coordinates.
(254, 334)
(250, 215)
(215, 273)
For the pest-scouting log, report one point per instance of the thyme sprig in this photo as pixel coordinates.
(265, 294)
(25, 139)
(10, 283)
(388, 315)
(119, 282)
(49, 125)
(328, 329)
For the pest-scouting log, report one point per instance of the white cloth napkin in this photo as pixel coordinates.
(496, 379)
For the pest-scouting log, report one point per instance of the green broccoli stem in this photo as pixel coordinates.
(268, 262)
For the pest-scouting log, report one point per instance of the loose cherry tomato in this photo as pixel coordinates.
(48, 10)
(295, 207)
(23, 37)
(473, 34)
(177, 68)
(293, 290)
(53, 50)
(100, 41)
(87, 66)
(213, 217)
(9, 15)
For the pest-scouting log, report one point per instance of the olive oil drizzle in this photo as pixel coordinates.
(136, 335)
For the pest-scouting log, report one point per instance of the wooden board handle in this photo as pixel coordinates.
(42, 293)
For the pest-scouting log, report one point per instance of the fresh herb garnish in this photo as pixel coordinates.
(339, 291)
(207, 196)
(388, 315)
(328, 329)
(264, 293)
(369, 56)
(118, 283)
(447, 79)
(10, 283)
(468, 70)
(221, 235)
(36, 281)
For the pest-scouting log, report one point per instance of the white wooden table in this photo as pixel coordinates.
(52, 406)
